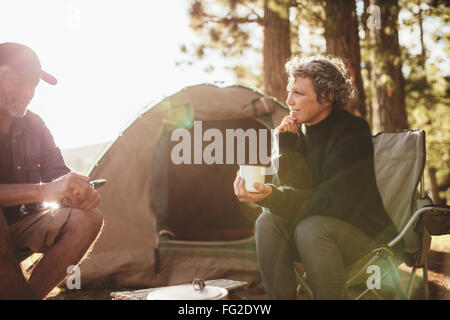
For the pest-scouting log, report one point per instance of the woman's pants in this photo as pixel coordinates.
(325, 245)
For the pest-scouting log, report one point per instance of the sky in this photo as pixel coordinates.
(111, 58)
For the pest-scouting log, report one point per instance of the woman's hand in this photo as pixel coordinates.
(288, 124)
(243, 194)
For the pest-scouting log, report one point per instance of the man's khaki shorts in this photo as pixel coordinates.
(37, 232)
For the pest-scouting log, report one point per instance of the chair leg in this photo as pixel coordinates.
(376, 294)
(372, 291)
(396, 278)
(425, 280)
(304, 286)
(411, 282)
(362, 294)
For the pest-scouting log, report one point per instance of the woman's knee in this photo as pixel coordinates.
(270, 229)
(266, 223)
(314, 228)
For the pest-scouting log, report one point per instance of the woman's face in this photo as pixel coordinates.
(303, 104)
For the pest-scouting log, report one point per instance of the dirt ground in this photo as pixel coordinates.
(438, 279)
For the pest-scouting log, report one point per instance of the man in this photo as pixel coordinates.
(326, 210)
(32, 171)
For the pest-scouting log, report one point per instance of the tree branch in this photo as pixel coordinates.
(252, 10)
(307, 7)
(228, 20)
(197, 10)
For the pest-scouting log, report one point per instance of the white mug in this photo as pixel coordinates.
(252, 174)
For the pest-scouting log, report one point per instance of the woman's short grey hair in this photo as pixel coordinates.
(328, 74)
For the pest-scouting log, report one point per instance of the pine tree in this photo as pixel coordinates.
(427, 94)
(386, 78)
(231, 27)
(342, 38)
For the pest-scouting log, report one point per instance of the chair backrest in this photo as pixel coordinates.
(399, 162)
(399, 158)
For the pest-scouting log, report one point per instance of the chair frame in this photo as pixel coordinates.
(386, 253)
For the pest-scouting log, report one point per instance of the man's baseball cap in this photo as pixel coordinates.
(23, 60)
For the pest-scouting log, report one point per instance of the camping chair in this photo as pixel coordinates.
(399, 164)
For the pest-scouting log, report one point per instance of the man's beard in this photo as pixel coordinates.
(7, 110)
(13, 113)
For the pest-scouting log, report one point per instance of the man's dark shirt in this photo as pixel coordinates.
(6, 165)
(28, 155)
(7, 173)
(328, 169)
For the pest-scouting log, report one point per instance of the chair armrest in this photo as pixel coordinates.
(427, 209)
(437, 206)
(437, 221)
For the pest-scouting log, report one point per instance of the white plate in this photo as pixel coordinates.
(187, 292)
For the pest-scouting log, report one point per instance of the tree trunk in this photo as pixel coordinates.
(423, 55)
(276, 48)
(387, 82)
(433, 186)
(342, 38)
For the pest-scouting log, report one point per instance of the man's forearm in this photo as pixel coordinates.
(17, 194)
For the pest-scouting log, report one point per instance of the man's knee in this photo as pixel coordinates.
(90, 220)
(96, 217)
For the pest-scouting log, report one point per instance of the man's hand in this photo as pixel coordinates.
(243, 194)
(73, 190)
(288, 124)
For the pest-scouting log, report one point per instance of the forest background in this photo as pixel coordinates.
(396, 51)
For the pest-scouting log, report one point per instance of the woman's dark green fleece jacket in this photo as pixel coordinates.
(328, 169)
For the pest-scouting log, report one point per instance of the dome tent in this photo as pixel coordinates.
(147, 193)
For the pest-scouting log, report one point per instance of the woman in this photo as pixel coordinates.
(326, 210)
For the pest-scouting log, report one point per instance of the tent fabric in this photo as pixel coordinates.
(181, 263)
(128, 251)
(215, 103)
(128, 238)
(201, 204)
(80, 159)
